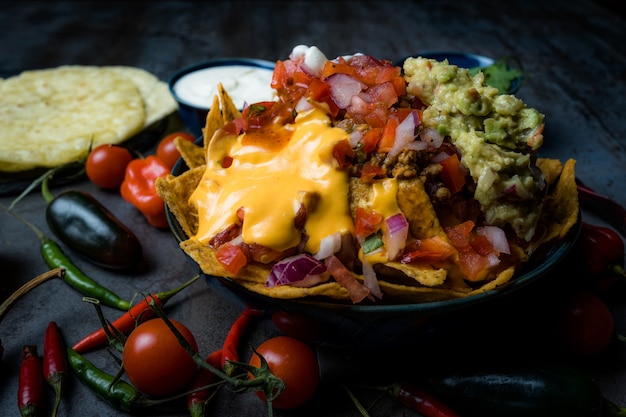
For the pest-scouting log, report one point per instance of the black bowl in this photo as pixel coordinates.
(343, 325)
(194, 113)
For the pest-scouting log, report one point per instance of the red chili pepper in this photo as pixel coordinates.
(138, 188)
(55, 367)
(230, 349)
(602, 254)
(416, 399)
(203, 377)
(30, 392)
(139, 313)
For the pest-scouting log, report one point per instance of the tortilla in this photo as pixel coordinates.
(51, 117)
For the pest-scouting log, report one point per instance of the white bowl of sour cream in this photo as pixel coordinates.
(246, 80)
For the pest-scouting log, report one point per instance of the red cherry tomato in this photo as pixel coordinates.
(167, 151)
(295, 363)
(155, 362)
(106, 165)
(586, 324)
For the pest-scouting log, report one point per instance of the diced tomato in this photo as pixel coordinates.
(430, 249)
(300, 77)
(389, 134)
(343, 153)
(370, 139)
(377, 117)
(340, 67)
(399, 85)
(459, 235)
(231, 257)
(279, 77)
(482, 245)
(367, 222)
(369, 172)
(473, 250)
(319, 90)
(383, 93)
(473, 265)
(453, 175)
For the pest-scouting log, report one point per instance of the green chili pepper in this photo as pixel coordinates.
(55, 258)
(116, 392)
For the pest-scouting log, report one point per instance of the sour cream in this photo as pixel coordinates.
(243, 83)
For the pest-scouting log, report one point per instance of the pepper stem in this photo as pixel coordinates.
(20, 292)
(166, 295)
(264, 380)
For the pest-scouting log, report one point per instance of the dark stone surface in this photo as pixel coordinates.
(572, 52)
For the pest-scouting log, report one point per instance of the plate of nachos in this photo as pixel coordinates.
(368, 187)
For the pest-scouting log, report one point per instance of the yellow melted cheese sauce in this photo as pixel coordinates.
(270, 183)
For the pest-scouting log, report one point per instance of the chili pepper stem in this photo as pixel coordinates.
(24, 289)
(362, 410)
(45, 189)
(263, 379)
(166, 295)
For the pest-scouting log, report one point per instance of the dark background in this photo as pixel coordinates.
(572, 53)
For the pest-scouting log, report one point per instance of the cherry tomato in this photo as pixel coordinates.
(106, 165)
(167, 151)
(585, 323)
(294, 362)
(155, 362)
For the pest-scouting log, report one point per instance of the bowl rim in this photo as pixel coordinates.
(216, 62)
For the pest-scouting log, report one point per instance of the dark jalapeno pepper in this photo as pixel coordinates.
(536, 390)
(84, 224)
(116, 392)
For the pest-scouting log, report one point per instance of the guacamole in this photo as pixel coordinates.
(496, 134)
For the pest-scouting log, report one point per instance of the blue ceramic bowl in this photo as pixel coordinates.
(465, 60)
(343, 325)
(193, 106)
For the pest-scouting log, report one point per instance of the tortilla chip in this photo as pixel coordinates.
(561, 208)
(230, 112)
(213, 122)
(176, 191)
(192, 154)
(551, 169)
(418, 209)
(331, 290)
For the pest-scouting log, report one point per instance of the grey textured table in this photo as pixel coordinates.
(572, 51)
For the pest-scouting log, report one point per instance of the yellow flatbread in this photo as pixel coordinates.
(51, 117)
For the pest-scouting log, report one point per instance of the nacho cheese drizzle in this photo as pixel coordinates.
(271, 185)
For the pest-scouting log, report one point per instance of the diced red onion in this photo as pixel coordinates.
(370, 279)
(343, 87)
(314, 61)
(405, 133)
(355, 138)
(432, 137)
(300, 270)
(439, 157)
(496, 237)
(358, 105)
(303, 104)
(329, 246)
(395, 234)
